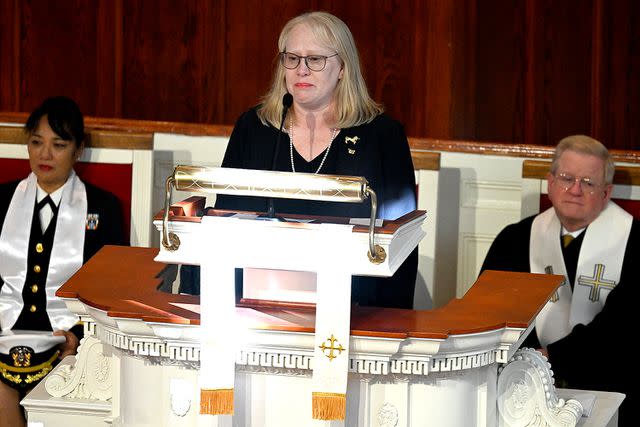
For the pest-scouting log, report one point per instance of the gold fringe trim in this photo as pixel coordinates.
(329, 406)
(216, 402)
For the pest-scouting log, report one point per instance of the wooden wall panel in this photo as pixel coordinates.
(384, 38)
(9, 55)
(499, 70)
(58, 51)
(164, 60)
(619, 104)
(108, 100)
(568, 71)
(252, 50)
(529, 71)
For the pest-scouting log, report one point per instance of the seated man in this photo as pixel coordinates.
(586, 329)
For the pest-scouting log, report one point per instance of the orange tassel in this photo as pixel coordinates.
(329, 406)
(216, 402)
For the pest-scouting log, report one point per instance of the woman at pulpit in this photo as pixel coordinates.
(330, 125)
(51, 223)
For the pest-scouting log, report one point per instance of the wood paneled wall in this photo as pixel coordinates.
(523, 71)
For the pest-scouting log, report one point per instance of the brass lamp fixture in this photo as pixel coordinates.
(284, 185)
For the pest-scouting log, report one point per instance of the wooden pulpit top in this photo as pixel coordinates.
(123, 281)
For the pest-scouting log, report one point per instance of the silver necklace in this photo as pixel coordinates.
(326, 152)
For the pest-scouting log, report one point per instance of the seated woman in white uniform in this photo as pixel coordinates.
(51, 223)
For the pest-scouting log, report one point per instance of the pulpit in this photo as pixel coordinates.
(139, 363)
(151, 358)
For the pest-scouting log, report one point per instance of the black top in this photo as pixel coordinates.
(380, 154)
(593, 356)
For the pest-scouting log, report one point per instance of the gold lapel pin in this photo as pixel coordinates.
(351, 140)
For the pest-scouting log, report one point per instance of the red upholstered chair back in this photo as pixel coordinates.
(114, 178)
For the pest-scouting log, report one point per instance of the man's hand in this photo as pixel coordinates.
(70, 346)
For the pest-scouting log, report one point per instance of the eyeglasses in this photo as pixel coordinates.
(291, 61)
(567, 181)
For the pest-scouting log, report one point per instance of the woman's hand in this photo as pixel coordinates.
(70, 346)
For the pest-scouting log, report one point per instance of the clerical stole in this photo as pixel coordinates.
(66, 253)
(221, 332)
(597, 273)
(333, 325)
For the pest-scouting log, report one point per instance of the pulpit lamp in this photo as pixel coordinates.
(284, 185)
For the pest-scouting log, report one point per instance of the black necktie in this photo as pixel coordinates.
(47, 201)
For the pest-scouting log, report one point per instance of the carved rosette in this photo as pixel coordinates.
(388, 415)
(527, 396)
(90, 378)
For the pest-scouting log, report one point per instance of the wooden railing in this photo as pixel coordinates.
(138, 134)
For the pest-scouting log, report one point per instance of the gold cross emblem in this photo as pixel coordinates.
(331, 347)
(597, 282)
(556, 296)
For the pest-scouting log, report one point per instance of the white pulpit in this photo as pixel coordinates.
(332, 249)
(151, 358)
(140, 359)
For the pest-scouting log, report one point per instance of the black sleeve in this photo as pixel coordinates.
(398, 174)
(235, 156)
(398, 198)
(113, 233)
(510, 252)
(510, 249)
(110, 226)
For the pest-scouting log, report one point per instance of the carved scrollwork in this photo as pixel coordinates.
(90, 378)
(527, 396)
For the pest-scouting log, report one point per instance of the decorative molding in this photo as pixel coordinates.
(459, 363)
(187, 353)
(527, 396)
(410, 367)
(505, 195)
(90, 378)
(504, 149)
(471, 261)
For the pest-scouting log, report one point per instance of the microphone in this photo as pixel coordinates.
(287, 101)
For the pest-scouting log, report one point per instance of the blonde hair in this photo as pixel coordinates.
(352, 104)
(585, 145)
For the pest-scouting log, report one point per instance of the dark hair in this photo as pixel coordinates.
(64, 117)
